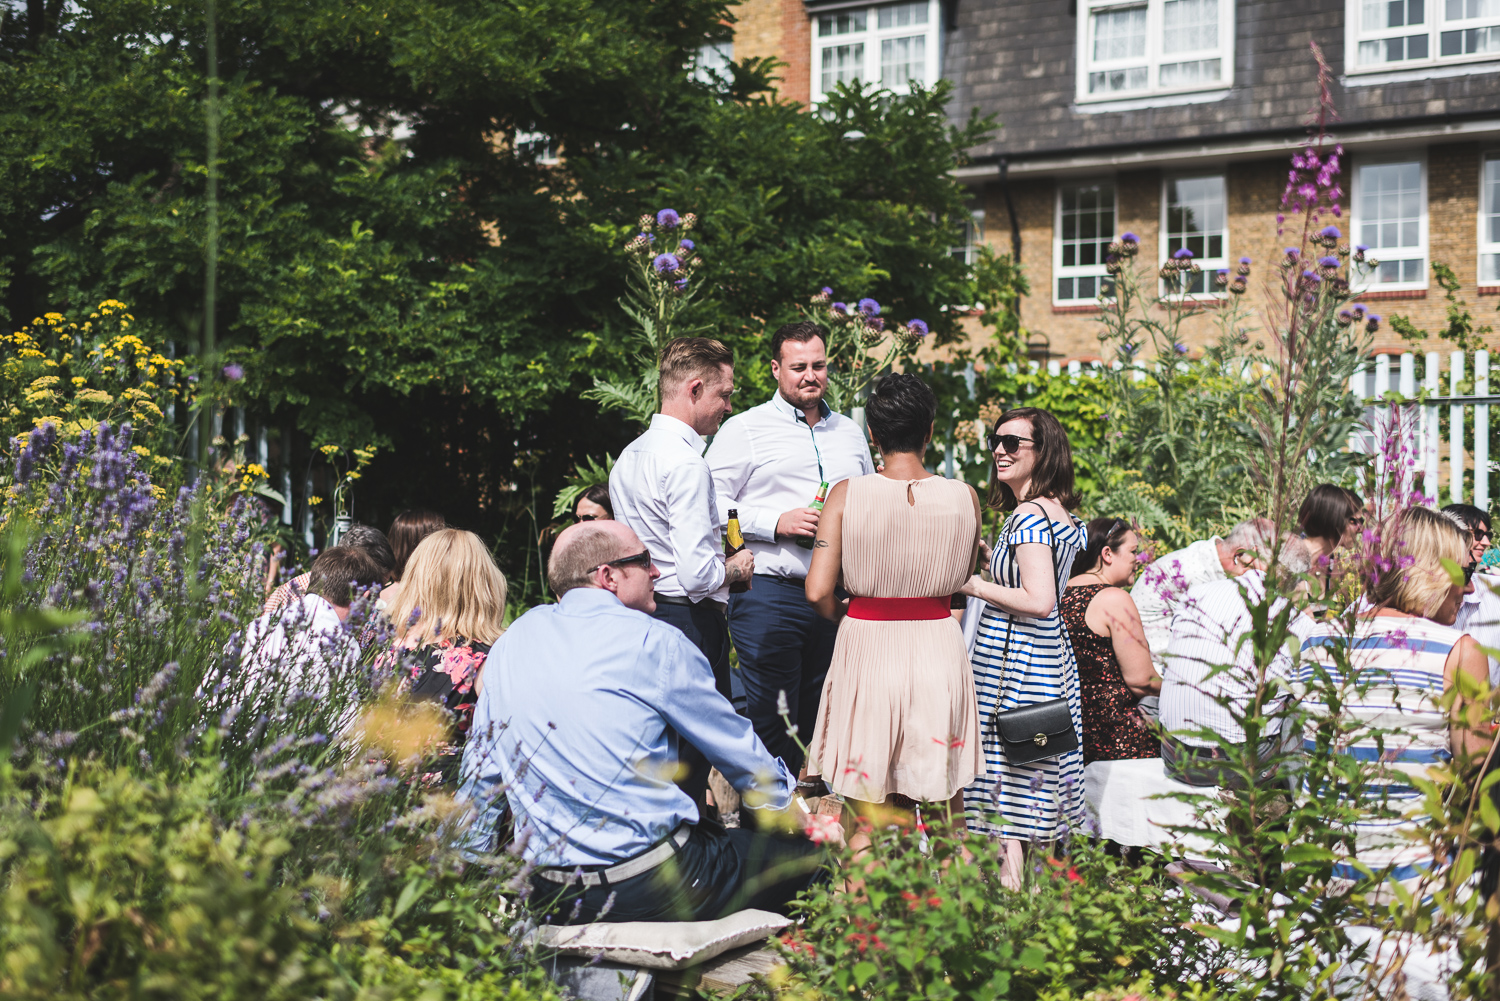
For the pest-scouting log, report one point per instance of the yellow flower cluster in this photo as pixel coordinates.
(119, 378)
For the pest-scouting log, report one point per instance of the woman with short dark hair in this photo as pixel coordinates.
(898, 724)
(1021, 654)
(593, 504)
(1330, 517)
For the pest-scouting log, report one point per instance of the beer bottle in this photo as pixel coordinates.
(733, 543)
(817, 505)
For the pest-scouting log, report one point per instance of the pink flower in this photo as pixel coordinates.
(821, 829)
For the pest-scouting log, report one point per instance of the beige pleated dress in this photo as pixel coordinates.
(899, 715)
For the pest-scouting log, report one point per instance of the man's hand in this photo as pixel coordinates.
(799, 521)
(739, 567)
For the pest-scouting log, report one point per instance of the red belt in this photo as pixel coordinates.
(899, 609)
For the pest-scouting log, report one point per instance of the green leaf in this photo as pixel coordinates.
(1032, 957)
(863, 971)
(414, 889)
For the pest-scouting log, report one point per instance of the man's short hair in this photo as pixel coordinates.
(801, 332)
(578, 553)
(1257, 534)
(337, 571)
(686, 358)
(372, 541)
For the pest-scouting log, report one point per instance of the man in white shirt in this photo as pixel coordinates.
(662, 489)
(1164, 585)
(1210, 674)
(767, 464)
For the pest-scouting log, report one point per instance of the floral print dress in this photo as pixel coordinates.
(445, 673)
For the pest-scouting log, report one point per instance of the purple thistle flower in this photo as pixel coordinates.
(1180, 348)
(825, 290)
(233, 372)
(664, 263)
(667, 219)
(869, 307)
(1328, 262)
(1129, 238)
(1329, 233)
(1361, 248)
(839, 307)
(917, 327)
(1244, 260)
(1182, 254)
(1292, 253)
(686, 245)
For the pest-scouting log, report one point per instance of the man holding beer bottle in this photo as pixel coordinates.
(774, 464)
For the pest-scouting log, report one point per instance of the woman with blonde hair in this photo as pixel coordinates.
(449, 613)
(1391, 670)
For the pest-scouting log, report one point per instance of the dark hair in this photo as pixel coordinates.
(408, 530)
(373, 541)
(1104, 533)
(1473, 517)
(1053, 473)
(685, 358)
(337, 571)
(900, 412)
(597, 494)
(800, 332)
(1326, 511)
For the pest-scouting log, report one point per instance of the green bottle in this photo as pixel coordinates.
(816, 505)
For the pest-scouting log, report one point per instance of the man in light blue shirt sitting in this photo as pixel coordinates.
(584, 706)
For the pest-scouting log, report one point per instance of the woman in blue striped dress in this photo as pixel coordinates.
(1390, 676)
(1022, 654)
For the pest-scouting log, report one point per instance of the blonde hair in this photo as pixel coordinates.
(685, 358)
(454, 587)
(1410, 576)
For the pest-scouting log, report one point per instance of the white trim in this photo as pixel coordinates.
(1153, 59)
(1488, 204)
(1372, 78)
(872, 38)
(1418, 157)
(1189, 156)
(1433, 23)
(1145, 103)
(1208, 264)
(1079, 270)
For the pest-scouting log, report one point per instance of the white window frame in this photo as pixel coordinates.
(540, 145)
(1154, 57)
(1207, 265)
(973, 239)
(1435, 23)
(1356, 195)
(871, 38)
(1078, 270)
(1489, 203)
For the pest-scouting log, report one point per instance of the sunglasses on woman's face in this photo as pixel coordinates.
(641, 559)
(1469, 573)
(1011, 443)
(587, 517)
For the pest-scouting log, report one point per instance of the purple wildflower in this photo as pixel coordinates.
(1330, 233)
(687, 245)
(1328, 262)
(666, 263)
(667, 219)
(869, 307)
(1182, 254)
(1129, 238)
(917, 327)
(233, 372)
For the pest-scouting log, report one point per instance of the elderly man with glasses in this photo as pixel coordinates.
(579, 725)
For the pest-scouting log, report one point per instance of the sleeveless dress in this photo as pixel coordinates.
(1394, 686)
(1113, 728)
(898, 715)
(1020, 661)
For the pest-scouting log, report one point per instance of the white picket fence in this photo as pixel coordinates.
(1422, 428)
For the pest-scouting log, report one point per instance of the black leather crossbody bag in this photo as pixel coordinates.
(1043, 729)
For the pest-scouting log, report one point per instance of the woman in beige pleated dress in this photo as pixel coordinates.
(899, 722)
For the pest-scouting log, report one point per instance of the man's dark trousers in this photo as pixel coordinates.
(784, 646)
(704, 626)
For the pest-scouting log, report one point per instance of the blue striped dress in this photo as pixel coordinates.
(1044, 799)
(1391, 688)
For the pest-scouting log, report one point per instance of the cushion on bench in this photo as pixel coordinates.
(661, 945)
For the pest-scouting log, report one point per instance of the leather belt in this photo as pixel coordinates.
(676, 599)
(642, 863)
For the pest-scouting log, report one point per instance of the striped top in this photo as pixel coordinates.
(1389, 688)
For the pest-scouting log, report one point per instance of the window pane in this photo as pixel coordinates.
(1470, 41)
(1462, 10)
(1416, 46)
(902, 14)
(1190, 25)
(1489, 269)
(1120, 34)
(1371, 17)
(1491, 194)
(1187, 74)
(1117, 80)
(903, 59)
(1065, 288)
(1086, 287)
(1196, 216)
(1390, 204)
(842, 64)
(1087, 226)
(841, 24)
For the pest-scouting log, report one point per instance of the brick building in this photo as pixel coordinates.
(1174, 119)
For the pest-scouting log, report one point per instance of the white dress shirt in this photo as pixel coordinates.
(1206, 635)
(661, 487)
(767, 461)
(1479, 616)
(1163, 585)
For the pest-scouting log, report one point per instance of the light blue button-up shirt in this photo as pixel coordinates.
(578, 727)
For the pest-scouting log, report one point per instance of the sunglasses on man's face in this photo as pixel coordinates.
(641, 559)
(1011, 443)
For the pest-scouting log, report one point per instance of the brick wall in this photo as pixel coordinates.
(778, 29)
(1254, 195)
